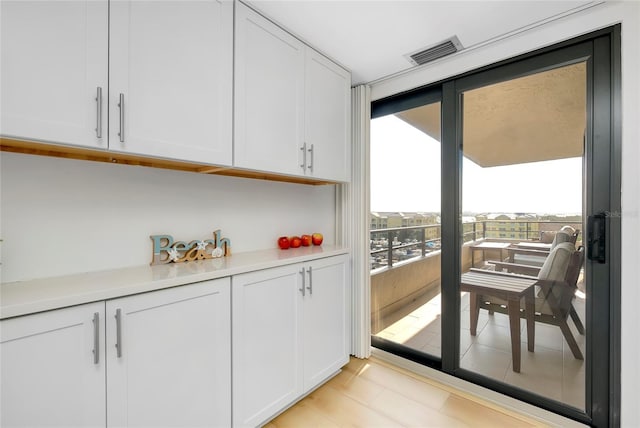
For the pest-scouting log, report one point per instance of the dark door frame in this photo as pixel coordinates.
(601, 51)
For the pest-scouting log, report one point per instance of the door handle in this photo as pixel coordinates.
(310, 166)
(303, 165)
(96, 338)
(310, 287)
(303, 282)
(121, 107)
(119, 333)
(596, 244)
(99, 112)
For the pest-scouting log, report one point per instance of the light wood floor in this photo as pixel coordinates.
(372, 393)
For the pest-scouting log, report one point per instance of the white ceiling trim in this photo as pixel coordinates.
(507, 35)
(563, 28)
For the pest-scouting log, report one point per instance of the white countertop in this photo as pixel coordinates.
(26, 297)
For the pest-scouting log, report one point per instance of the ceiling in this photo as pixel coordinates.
(535, 118)
(371, 37)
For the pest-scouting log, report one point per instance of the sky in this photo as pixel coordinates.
(405, 176)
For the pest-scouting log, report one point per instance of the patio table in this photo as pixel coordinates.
(534, 245)
(487, 246)
(510, 288)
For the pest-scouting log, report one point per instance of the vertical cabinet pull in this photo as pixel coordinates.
(303, 282)
(310, 166)
(310, 287)
(303, 165)
(96, 338)
(119, 333)
(99, 112)
(121, 107)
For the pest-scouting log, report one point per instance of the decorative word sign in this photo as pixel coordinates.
(166, 250)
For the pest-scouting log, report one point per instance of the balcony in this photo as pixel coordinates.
(405, 307)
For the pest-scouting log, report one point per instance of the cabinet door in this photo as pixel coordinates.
(53, 369)
(267, 374)
(326, 323)
(53, 63)
(269, 96)
(327, 118)
(171, 74)
(174, 365)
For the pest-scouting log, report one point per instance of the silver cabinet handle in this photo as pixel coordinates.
(119, 333)
(310, 166)
(99, 112)
(303, 165)
(303, 287)
(96, 338)
(310, 287)
(121, 107)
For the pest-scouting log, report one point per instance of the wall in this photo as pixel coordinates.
(394, 290)
(60, 216)
(597, 17)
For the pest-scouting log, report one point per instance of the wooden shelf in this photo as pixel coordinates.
(97, 155)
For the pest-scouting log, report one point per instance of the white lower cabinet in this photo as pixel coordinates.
(290, 333)
(171, 365)
(326, 326)
(170, 368)
(50, 373)
(164, 358)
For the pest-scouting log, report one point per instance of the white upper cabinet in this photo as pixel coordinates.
(171, 74)
(156, 79)
(269, 96)
(292, 105)
(327, 118)
(54, 57)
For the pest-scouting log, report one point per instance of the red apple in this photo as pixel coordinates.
(295, 241)
(316, 238)
(283, 242)
(306, 240)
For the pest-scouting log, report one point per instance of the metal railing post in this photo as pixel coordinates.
(389, 249)
(423, 241)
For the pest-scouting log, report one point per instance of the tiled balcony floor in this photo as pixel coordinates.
(550, 371)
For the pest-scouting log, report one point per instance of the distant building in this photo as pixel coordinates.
(387, 220)
(511, 226)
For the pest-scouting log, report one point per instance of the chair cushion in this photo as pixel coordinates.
(560, 238)
(546, 236)
(556, 264)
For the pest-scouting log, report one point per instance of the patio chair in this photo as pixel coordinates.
(555, 286)
(522, 255)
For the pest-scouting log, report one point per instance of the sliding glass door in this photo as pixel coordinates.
(405, 217)
(526, 244)
(523, 180)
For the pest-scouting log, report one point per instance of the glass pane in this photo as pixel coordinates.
(522, 200)
(405, 228)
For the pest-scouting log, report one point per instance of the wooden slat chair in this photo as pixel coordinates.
(556, 284)
(536, 257)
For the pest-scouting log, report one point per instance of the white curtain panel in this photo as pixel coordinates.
(357, 217)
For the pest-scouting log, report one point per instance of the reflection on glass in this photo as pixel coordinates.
(522, 189)
(405, 228)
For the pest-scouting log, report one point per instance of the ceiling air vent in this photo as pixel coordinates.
(432, 53)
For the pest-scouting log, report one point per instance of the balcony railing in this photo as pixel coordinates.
(418, 241)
